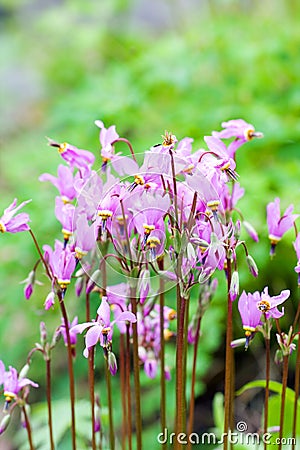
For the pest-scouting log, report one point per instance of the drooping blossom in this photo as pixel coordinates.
(12, 382)
(252, 306)
(66, 214)
(85, 236)
(297, 250)
(29, 282)
(73, 335)
(240, 130)
(101, 330)
(15, 224)
(62, 263)
(64, 182)
(75, 157)
(277, 224)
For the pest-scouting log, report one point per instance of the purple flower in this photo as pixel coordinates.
(64, 182)
(297, 249)
(252, 306)
(65, 213)
(12, 383)
(15, 224)
(85, 236)
(29, 283)
(101, 329)
(240, 130)
(73, 335)
(277, 224)
(82, 159)
(107, 137)
(49, 302)
(61, 261)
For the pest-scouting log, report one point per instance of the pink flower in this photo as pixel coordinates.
(12, 383)
(241, 130)
(101, 329)
(15, 224)
(81, 159)
(61, 261)
(277, 224)
(64, 182)
(252, 306)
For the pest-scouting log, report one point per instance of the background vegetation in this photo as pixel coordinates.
(183, 66)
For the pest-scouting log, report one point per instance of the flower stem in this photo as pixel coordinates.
(162, 354)
(136, 373)
(91, 378)
(48, 394)
(123, 390)
(28, 428)
(193, 380)
(128, 388)
(297, 378)
(110, 409)
(283, 395)
(266, 412)
(228, 362)
(70, 368)
(180, 393)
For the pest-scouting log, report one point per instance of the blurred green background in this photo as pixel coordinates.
(179, 65)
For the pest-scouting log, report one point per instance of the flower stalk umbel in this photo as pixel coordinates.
(144, 240)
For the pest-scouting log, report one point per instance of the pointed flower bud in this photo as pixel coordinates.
(252, 265)
(112, 363)
(4, 423)
(234, 286)
(250, 230)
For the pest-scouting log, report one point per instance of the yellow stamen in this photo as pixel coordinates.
(168, 334)
(168, 139)
(172, 314)
(80, 253)
(153, 241)
(249, 133)
(105, 330)
(274, 239)
(213, 205)
(148, 228)
(63, 147)
(9, 396)
(66, 234)
(2, 227)
(264, 306)
(63, 283)
(104, 213)
(249, 331)
(138, 179)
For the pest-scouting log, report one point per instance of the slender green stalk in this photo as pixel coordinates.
(228, 362)
(283, 395)
(49, 405)
(136, 373)
(297, 379)
(266, 412)
(193, 381)
(163, 420)
(128, 388)
(110, 409)
(70, 368)
(28, 428)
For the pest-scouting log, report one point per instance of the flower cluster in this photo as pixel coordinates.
(133, 229)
